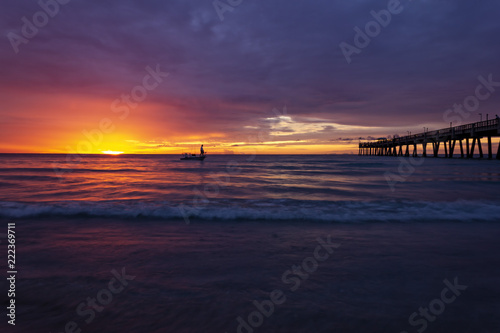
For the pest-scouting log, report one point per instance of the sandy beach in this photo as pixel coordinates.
(157, 275)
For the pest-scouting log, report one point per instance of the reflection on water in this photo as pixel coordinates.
(31, 178)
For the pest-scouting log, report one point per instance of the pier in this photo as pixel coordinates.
(467, 136)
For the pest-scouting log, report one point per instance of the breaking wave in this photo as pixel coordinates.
(275, 210)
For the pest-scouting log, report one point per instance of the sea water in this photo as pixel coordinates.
(164, 245)
(336, 188)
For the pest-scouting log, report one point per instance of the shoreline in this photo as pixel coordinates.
(204, 276)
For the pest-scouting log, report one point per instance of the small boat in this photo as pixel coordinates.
(193, 157)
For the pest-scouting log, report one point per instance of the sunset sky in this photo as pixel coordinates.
(270, 77)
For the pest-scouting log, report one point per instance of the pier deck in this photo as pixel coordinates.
(446, 137)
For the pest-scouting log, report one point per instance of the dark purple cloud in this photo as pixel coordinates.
(232, 73)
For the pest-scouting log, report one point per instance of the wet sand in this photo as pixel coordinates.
(173, 277)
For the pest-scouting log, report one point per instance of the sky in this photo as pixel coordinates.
(239, 76)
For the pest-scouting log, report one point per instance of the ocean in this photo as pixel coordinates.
(330, 188)
(251, 243)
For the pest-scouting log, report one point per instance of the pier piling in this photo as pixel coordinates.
(400, 146)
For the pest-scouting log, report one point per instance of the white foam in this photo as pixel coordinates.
(340, 211)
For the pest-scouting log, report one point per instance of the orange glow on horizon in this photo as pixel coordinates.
(72, 124)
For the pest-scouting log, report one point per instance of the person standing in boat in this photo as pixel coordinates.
(202, 152)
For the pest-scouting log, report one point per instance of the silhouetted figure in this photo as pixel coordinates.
(202, 152)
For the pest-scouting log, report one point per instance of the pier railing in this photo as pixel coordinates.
(449, 136)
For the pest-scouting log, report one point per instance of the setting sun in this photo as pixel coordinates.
(111, 152)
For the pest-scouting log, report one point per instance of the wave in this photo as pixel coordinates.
(54, 170)
(28, 177)
(279, 209)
